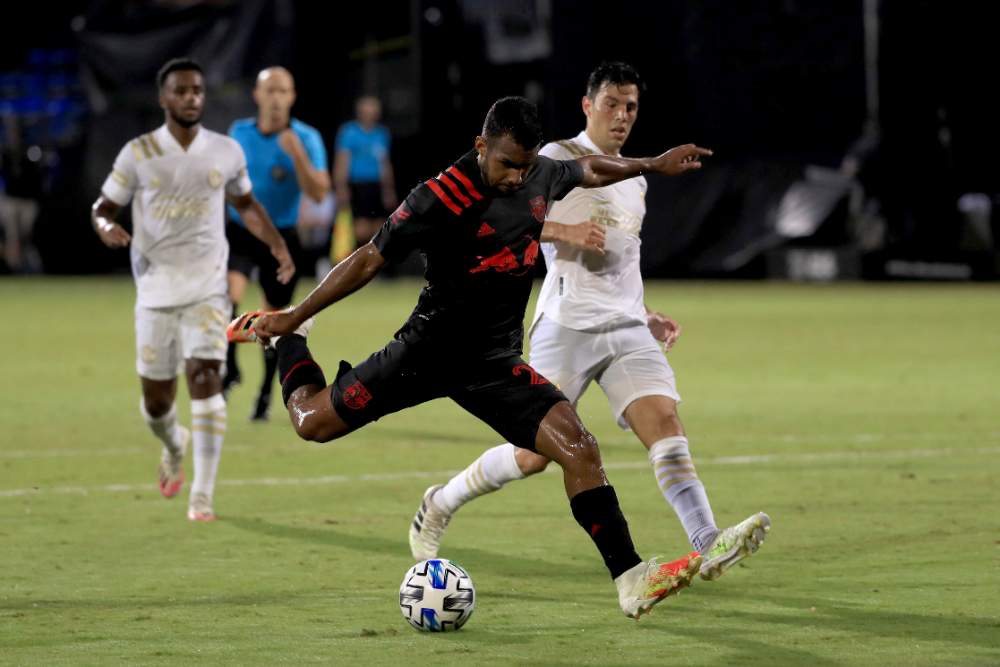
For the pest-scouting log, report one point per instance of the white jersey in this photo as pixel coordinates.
(179, 249)
(584, 290)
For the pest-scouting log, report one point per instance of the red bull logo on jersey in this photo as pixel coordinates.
(502, 262)
(506, 261)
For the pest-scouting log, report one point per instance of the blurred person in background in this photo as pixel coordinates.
(362, 171)
(285, 159)
(178, 178)
(20, 191)
(316, 220)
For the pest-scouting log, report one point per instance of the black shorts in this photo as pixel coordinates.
(366, 200)
(506, 394)
(246, 251)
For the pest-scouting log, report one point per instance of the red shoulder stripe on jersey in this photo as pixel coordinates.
(445, 199)
(464, 181)
(466, 202)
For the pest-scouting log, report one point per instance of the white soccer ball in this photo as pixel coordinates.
(437, 596)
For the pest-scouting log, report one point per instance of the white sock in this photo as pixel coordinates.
(494, 468)
(163, 427)
(681, 487)
(208, 429)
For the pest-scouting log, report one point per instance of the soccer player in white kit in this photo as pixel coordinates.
(591, 324)
(178, 178)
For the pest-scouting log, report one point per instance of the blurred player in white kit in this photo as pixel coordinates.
(178, 178)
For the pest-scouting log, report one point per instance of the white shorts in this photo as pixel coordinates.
(627, 362)
(165, 337)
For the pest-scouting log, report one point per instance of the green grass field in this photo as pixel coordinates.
(863, 418)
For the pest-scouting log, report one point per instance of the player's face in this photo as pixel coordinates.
(504, 163)
(183, 97)
(611, 115)
(274, 93)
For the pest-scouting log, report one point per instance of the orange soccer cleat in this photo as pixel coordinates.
(241, 330)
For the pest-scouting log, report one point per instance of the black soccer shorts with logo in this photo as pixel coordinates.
(505, 393)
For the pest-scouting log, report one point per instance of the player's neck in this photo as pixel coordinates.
(184, 135)
(613, 152)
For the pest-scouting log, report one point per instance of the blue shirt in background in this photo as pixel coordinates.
(367, 148)
(272, 171)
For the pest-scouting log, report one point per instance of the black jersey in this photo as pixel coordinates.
(480, 250)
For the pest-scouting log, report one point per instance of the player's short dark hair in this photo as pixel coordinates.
(614, 73)
(176, 65)
(515, 117)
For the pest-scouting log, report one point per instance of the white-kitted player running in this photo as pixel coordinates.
(591, 324)
(178, 178)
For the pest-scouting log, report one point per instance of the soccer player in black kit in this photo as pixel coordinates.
(477, 223)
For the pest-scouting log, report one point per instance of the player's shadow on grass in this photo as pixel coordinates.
(749, 646)
(499, 563)
(840, 617)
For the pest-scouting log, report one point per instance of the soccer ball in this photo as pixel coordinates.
(437, 596)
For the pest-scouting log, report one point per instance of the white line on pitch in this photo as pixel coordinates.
(855, 438)
(152, 450)
(420, 474)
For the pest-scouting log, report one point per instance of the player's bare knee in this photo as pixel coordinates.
(156, 406)
(531, 463)
(201, 373)
(306, 430)
(582, 451)
(587, 449)
(315, 430)
(305, 423)
(309, 424)
(672, 425)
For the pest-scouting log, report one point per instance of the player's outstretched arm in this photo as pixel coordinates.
(601, 170)
(102, 217)
(346, 278)
(258, 223)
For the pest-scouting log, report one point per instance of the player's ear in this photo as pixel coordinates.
(481, 146)
(585, 104)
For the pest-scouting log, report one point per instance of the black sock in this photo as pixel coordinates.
(232, 371)
(270, 368)
(598, 513)
(296, 366)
